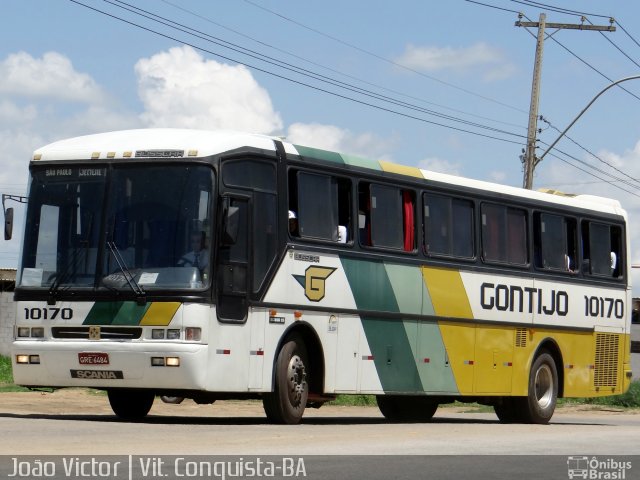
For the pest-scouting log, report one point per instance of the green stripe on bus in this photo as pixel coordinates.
(131, 313)
(390, 342)
(319, 154)
(436, 375)
(361, 162)
(370, 285)
(388, 339)
(102, 313)
(116, 313)
(409, 289)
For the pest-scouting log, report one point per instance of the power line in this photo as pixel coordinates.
(584, 18)
(379, 57)
(617, 47)
(558, 9)
(590, 152)
(293, 68)
(612, 183)
(628, 34)
(492, 6)
(596, 169)
(286, 52)
(298, 82)
(583, 61)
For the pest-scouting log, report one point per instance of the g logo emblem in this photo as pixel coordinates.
(314, 282)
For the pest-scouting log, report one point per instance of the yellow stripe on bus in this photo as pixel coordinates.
(447, 292)
(160, 313)
(400, 169)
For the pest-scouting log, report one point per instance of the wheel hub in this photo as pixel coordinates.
(297, 379)
(544, 386)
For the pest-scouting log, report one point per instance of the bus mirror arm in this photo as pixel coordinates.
(8, 213)
(8, 223)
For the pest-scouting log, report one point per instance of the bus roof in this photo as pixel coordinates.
(202, 143)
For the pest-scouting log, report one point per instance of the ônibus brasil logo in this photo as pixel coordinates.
(595, 468)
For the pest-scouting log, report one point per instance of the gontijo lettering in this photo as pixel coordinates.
(513, 298)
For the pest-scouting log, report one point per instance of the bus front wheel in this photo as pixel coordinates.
(130, 404)
(288, 400)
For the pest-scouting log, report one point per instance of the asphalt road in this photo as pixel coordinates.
(71, 422)
(58, 429)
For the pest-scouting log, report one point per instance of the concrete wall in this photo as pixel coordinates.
(7, 320)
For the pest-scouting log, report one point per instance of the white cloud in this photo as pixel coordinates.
(42, 100)
(180, 88)
(13, 114)
(432, 58)
(336, 139)
(52, 76)
(440, 165)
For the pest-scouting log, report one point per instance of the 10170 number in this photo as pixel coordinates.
(603, 307)
(49, 313)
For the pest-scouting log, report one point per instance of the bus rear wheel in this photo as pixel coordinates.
(406, 409)
(540, 403)
(130, 404)
(288, 400)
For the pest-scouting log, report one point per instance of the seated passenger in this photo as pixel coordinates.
(342, 234)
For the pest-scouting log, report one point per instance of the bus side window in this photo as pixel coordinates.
(322, 206)
(504, 234)
(602, 249)
(555, 243)
(392, 216)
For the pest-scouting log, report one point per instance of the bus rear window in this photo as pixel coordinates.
(602, 249)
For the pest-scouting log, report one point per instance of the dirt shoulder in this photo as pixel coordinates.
(73, 401)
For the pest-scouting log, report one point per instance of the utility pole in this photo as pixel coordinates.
(530, 161)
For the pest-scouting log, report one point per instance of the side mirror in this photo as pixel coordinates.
(230, 222)
(8, 223)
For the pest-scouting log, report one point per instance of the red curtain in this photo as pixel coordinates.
(409, 230)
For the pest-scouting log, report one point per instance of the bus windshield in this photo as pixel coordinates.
(124, 227)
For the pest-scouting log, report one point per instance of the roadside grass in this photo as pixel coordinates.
(354, 401)
(631, 399)
(6, 377)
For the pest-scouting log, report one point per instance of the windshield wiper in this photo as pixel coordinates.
(128, 276)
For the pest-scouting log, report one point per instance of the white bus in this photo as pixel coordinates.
(215, 265)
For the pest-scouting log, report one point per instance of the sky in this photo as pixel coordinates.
(440, 85)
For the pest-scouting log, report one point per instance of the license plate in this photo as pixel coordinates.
(93, 358)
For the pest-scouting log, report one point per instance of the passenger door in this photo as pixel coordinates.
(233, 260)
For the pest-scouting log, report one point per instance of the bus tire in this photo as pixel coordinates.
(130, 404)
(288, 400)
(540, 403)
(506, 410)
(406, 409)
